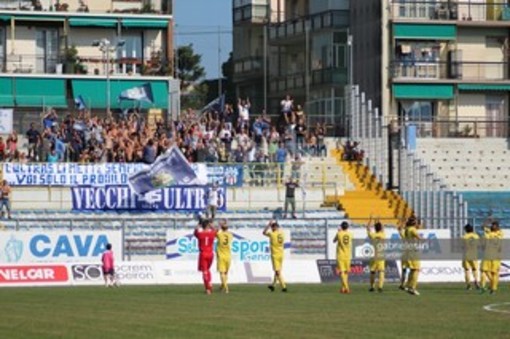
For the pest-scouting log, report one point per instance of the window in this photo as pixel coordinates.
(131, 55)
(46, 57)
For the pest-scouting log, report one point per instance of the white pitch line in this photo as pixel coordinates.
(492, 308)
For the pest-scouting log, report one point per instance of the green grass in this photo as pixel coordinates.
(306, 311)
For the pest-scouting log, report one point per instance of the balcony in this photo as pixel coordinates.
(84, 65)
(448, 10)
(250, 11)
(297, 81)
(249, 67)
(288, 83)
(329, 76)
(297, 27)
(144, 7)
(457, 70)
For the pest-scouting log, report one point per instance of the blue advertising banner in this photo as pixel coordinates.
(113, 174)
(228, 175)
(123, 198)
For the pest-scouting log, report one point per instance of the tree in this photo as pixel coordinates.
(227, 68)
(190, 72)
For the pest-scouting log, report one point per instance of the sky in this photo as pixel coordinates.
(198, 22)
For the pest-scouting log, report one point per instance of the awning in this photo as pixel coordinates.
(484, 87)
(5, 17)
(39, 92)
(425, 91)
(138, 23)
(424, 31)
(92, 22)
(6, 99)
(39, 18)
(94, 93)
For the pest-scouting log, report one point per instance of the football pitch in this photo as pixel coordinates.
(252, 311)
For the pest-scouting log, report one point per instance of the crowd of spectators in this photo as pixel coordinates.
(229, 135)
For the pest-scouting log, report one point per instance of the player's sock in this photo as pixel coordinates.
(345, 280)
(475, 276)
(206, 281)
(467, 277)
(275, 280)
(282, 282)
(495, 281)
(483, 279)
(403, 278)
(223, 278)
(413, 279)
(372, 280)
(380, 283)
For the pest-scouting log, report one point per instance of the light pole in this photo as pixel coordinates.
(106, 47)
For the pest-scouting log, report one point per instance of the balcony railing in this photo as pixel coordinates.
(464, 70)
(450, 10)
(91, 65)
(155, 7)
(288, 82)
(332, 76)
(462, 128)
(252, 12)
(248, 65)
(316, 22)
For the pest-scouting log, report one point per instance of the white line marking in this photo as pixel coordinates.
(493, 308)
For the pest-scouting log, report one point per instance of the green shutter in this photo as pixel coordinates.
(40, 92)
(92, 22)
(425, 91)
(484, 87)
(137, 23)
(94, 93)
(6, 99)
(424, 31)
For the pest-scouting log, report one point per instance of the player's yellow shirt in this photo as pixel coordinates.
(344, 245)
(470, 242)
(276, 241)
(411, 233)
(377, 237)
(224, 244)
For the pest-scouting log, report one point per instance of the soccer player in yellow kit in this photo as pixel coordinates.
(276, 242)
(470, 256)
(492, 257)
(223, 253)
(377, 264)
(412, 238)
(343, 239)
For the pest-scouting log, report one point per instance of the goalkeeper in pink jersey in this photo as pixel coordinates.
(109, 267)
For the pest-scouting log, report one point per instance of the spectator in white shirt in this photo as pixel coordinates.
(244, 112)
(286, 107)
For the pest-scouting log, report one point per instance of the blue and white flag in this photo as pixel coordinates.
(215, 105)
(139, 93)
(169, 169)
(60, 149)
(79, 102)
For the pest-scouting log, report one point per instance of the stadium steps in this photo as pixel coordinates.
(368, 196)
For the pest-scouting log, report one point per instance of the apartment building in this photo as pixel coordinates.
(52, 52)
(296, 47)
(443, 63)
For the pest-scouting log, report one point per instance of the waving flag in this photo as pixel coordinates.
(79, 103)
(215, 105)
(139, 93)
(170, 168)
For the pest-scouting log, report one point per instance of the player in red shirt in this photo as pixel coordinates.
(206, 233)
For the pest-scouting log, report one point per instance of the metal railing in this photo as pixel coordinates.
(461, 128)
(252, 12)
(461, 70)
(156, 7)
(299, 26)
(421, 188)
(449, 10)
(248, 65)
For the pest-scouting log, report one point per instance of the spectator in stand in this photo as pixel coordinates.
(300, 134)
(296, 167)
(50, 119)
(12, 144)
(287, 105)
(290, 197)
(34, 137)
(53, 156)
(212, 201)
(311, 144)
(320, 133)
(2, 149)
(281, 158)
(243, 107)
(274, 140)
(299, 113)
(5, 198)
(149, 153)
